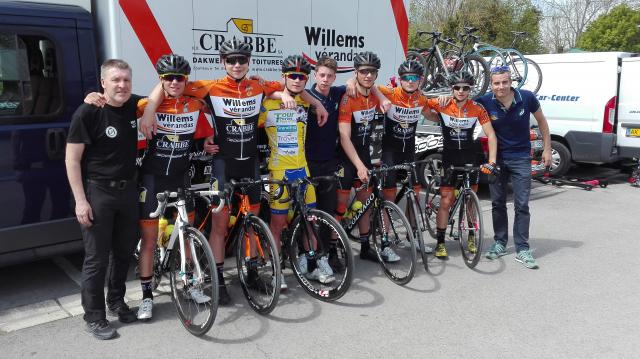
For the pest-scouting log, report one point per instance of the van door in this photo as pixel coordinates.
(628, 119)
(41, 83)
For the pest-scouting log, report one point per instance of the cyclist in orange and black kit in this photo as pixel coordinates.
(458, 119)
(166, 162)
(400, 122)
(354, 125)
(235, 101)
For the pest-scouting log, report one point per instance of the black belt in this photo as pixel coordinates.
(119, 184)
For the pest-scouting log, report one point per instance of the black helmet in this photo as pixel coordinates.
(235, 47)
(366, 58)
(296, 63)
(173, 64)
(461, 77)
(411, 67)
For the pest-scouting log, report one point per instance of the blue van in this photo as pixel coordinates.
(47, 65)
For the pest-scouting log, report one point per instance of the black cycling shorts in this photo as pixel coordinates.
(151, 184)
(391, 158)
(448, 177)
(224, 170)
(349, 173)
(326, 199)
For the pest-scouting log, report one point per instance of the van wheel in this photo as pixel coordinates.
(560, 159)
(430, 169)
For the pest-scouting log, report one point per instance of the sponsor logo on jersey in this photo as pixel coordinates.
(459, 122)
(236, 107)
(111, 132)
(177, 124)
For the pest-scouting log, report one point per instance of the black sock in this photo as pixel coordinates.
(364, 240)
(311, 264)
(147, 287)
(220, 272)
(440, 232)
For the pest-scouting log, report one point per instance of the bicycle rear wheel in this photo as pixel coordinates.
(258, 265)
(533, 80)
(470, 229)
(415, 219)
(478, 67)
(431, 206)
(415, 55)
(332, 242)
(435, 77)
(196, 313)
(392, 234)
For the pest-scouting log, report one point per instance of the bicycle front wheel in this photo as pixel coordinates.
(394, 243)
(258, 265)
(431, 206)
(194, 293)
(332, 249)
(470, 229)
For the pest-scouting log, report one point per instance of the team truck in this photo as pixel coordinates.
(592, 103)
(50, 53)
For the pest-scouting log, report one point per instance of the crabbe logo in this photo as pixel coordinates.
(266, 56)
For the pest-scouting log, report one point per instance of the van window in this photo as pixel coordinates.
(29, 84)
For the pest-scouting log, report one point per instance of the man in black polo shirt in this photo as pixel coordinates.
(101, 166)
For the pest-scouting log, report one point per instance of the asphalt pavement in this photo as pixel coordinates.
(581, 303)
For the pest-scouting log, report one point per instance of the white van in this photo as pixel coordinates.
(579, 96)
(627, 120)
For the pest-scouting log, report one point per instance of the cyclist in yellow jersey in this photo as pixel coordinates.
(286, 131)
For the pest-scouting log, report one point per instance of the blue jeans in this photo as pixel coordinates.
(519, 171)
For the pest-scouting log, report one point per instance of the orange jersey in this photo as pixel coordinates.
(401, 119)
(458, 123)
(180, 121)
(235, 106)
(359, 112)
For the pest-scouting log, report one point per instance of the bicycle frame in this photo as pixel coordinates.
(180, 225)
(407, 188)
(237, 230)
(463, 188)
(372, 201)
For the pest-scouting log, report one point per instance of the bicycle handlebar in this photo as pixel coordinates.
(465, 168)
(162, 198)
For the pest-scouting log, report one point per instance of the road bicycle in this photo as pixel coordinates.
(389, 227)
(187, 259)
(525, 73)
(314, 236)
(439, 64)
(257, 259)
(468, 222)
(414, 212)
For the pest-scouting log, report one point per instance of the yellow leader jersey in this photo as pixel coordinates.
(286, 130)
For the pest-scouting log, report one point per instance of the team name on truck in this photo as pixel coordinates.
(210, 41)
(328, 37)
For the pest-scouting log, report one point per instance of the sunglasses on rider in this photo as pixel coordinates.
(499, 69)
(176, 77)
(232, 60)
(463, 88)
(296, 76)
(410, 78)
(365, 72)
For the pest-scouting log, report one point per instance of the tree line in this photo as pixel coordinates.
(553, 26)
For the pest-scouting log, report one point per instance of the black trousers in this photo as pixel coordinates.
(108, 246)
(326, 192)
